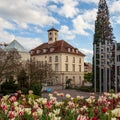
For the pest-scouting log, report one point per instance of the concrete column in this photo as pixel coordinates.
(100, 67)
(109, 79)
(116, 67)
(94, 50)
(105, 68)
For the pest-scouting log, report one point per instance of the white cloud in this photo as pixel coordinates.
(69, 8)
(5, 24)
(66, 8)
(26, 12)
(53, 8)
(6, 37)
(89, 15)
(115, 11)
(115, 7)
(80, 26)
(117, 20)
(88, 53)
(29, 43)
(66, 33)
(85, 22)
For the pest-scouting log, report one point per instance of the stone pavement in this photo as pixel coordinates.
(72, 92)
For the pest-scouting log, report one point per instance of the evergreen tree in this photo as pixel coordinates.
(103, 32)
(103, 29)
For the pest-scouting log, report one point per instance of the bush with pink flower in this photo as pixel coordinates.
(59, 107)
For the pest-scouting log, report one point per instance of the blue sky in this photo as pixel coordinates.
(27, 21)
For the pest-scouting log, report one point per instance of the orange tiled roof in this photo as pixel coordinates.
(59, 46)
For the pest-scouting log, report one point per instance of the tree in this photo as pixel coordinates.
(22, 79)
(10, 63)
(103, 29)
(88, 77)
(38, 72)
(68, 83)
(103, 34)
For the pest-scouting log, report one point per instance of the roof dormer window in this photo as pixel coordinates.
(51, 49)
(44, 50)
(32, 52)
(38, 51)
(76, 50)
(68, 49)
(73, 50)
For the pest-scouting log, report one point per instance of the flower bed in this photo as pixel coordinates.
(31, 107)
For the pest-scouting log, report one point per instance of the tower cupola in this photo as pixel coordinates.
(52, 35)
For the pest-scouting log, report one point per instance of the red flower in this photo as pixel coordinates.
(11, 114)
(104, 110)
(48, 105)
(94, 118)
(12, 108)
(95, 111)
(118, 118)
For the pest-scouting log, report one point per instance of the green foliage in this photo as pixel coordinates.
(24, 90)
(68, 83)
(9, 87)
(85, 88)
(88, 77)
(36, 89)
(27, 117)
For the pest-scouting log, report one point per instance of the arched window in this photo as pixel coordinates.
(50, 59)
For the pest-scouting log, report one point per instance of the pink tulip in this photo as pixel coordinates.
(11, 114)
(12, 99)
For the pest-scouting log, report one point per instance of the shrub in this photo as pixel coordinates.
(85, 88)
(9, 87)
(36, 89)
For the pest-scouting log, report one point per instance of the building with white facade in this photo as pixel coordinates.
(65, 60)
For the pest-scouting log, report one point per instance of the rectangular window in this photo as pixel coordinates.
(56, 58)
(79, 68)
(66, 58)
(73, 59)
(56, 67)
(50, 59)
(73, 67)
(50, 39)
(79, 60)
(66, 67)
(80, 80)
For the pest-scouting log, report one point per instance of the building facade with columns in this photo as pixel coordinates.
(64, 59)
